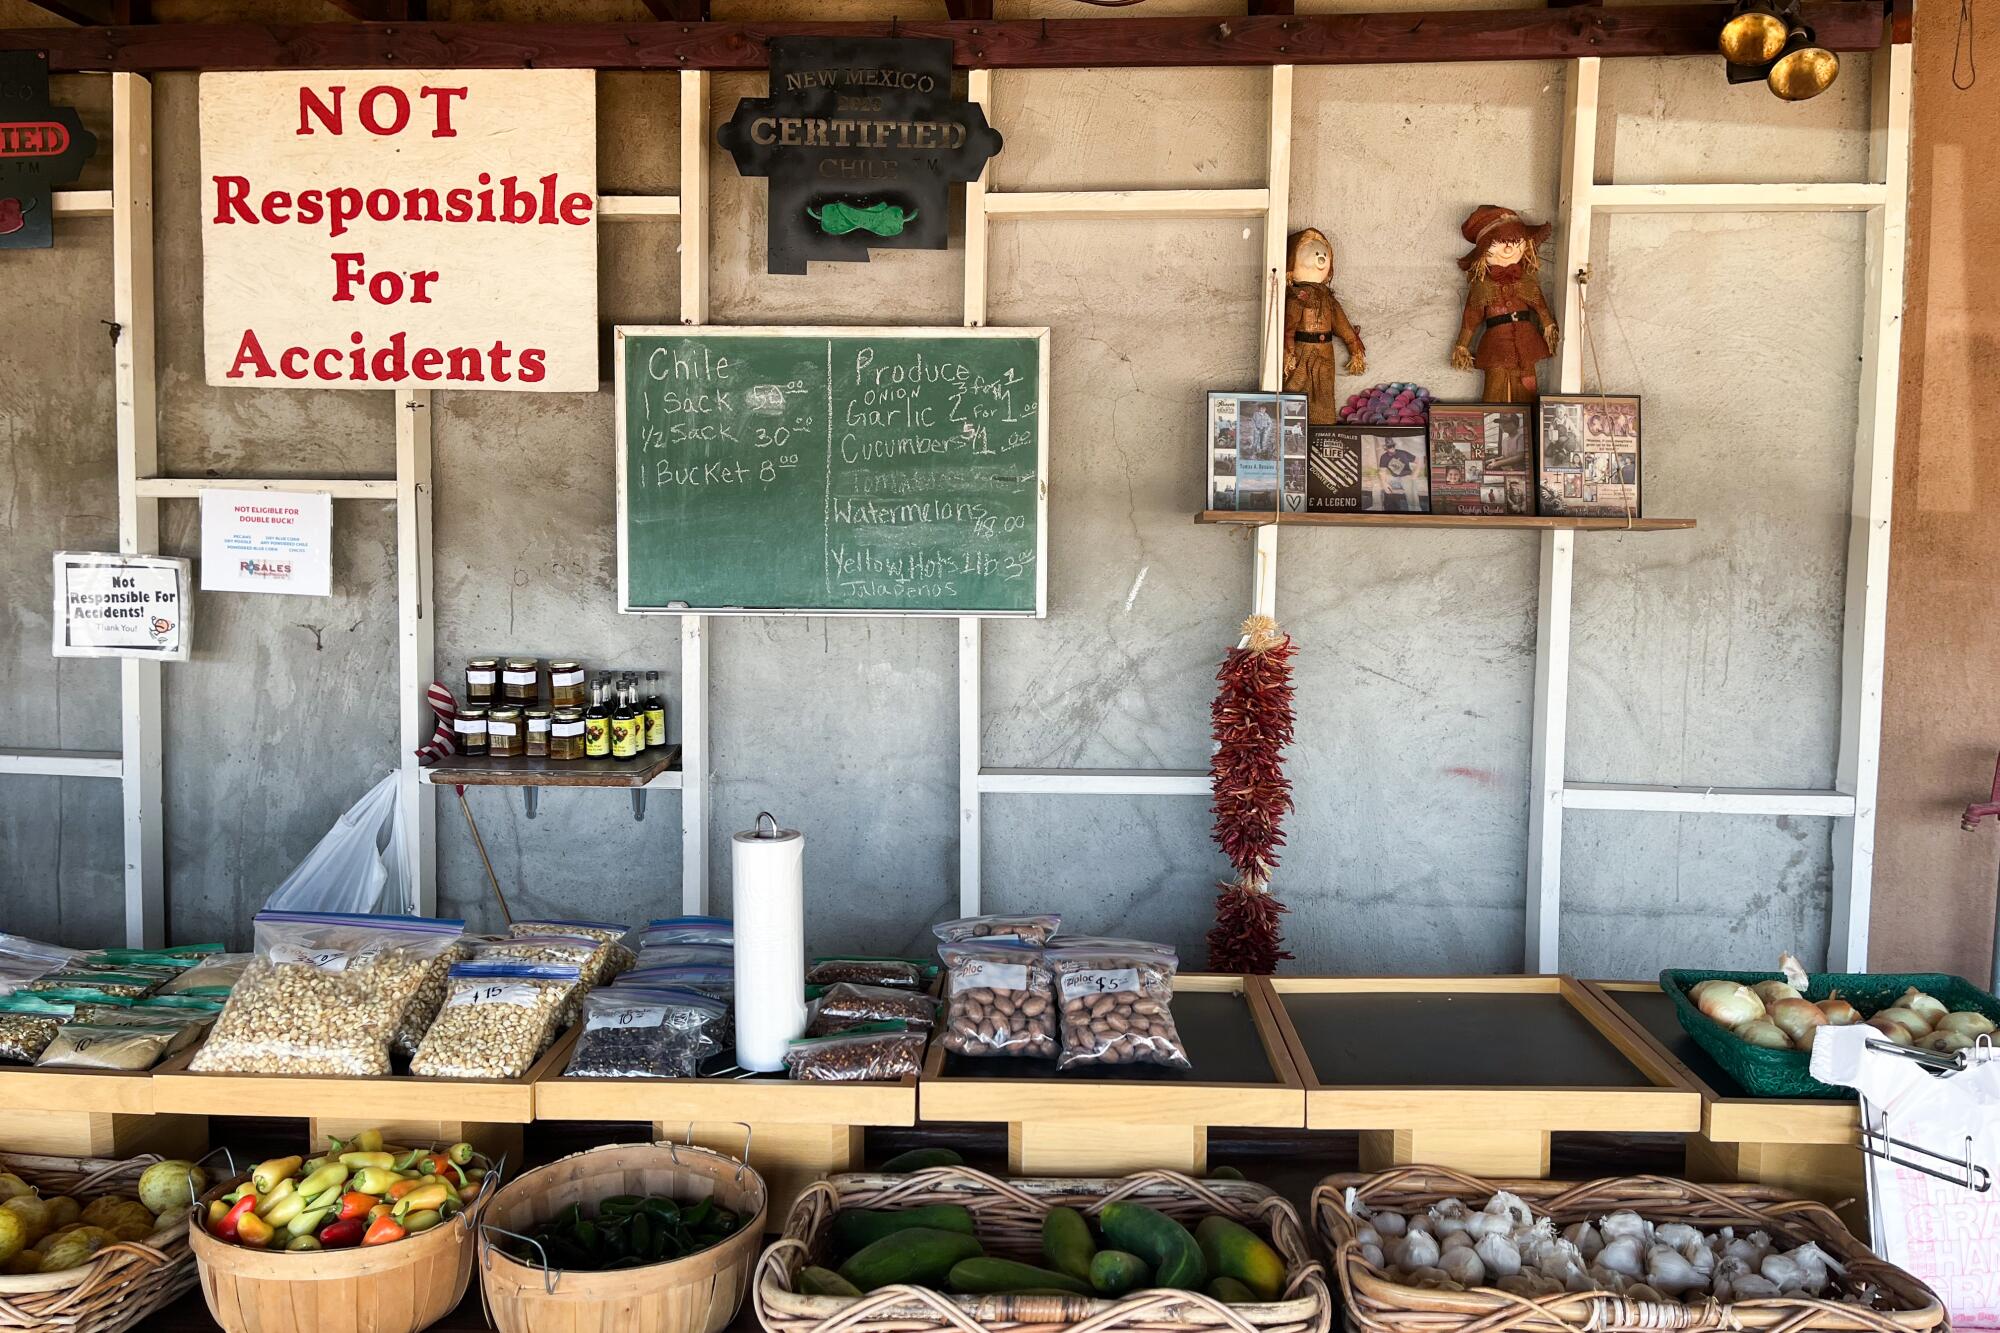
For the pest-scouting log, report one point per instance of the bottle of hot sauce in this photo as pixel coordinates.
(597, 724)
(627, 726)
(656, 713)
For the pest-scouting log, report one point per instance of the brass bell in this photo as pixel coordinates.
(1806, 69)
(1754, 35)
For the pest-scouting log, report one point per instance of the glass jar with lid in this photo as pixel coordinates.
(521, 680)
(537, 722)
(469, 729)
(567, 688)
(482, 679)
(566, 734)
(504, 738)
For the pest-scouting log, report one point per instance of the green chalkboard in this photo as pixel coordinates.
(832, 470)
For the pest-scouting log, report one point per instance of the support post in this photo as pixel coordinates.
(133, 362)
(416, 631)
(1548, 761)
(1271, 342)
(978, 89)
(694, 629)
(1867, 605)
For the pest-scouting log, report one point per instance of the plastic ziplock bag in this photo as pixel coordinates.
(689, 930)
(605, 932)
(325, 994)
(1117, 1004)
(496, 1020)
(212, 976)
(27, 1024)
(361, 853)
(878, 1054)
(845, 1006)
(1001, 1000)
(1030, 928)
(910, 973)
(22, 960)
(644, 1032)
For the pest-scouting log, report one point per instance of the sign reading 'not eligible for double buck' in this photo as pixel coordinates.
(421, 228)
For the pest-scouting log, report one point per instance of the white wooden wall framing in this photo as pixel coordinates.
(1851, 804)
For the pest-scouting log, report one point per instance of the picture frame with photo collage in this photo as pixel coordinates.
(1482, 458)
(1257, 451)
(1589, 455)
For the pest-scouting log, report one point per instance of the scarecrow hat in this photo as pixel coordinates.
(1490, 222)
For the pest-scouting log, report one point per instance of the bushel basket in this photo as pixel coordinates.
(1007, 1215)
(123, 1283)
(1378, 1303)
(1767, 1073)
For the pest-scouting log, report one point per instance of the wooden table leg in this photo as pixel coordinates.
(1829, 1172)
(788, 1157)
(102, 1134)
(492, 1139)
(1060, 1148)
(1481, 1152)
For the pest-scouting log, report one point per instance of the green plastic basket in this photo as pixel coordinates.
(1763, 1072)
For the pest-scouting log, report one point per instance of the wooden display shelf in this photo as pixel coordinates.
(1809, 1146)
(1259, 518)
(795, 1132)
(488, 1113)
(91, 1113)
(1124, 1118)
(1473, 1073)
(478, 770)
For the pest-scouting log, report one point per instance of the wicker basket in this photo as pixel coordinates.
(1008, 1217)
(122, 1284)
(698, 1294)
(1378, 1304)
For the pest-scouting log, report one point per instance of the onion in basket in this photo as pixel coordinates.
(1731, 1005)
(1763, 1032)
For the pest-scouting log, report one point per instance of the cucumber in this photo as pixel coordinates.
(864, 1226)
(1233, 1250)
(1114, 1272)
(1066, 1243)
(1225, 1173)
(980, 1276)
(1162, 1242)
(919, 1256)
(825, 1282)
(916, 1159)
(1231, 1292)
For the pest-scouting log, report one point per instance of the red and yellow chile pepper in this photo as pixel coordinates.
(355, 1204)
(254, 1231)
(231, 1220)
(383, 1230)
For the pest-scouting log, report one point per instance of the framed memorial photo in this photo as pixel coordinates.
(1589, 445)
(1482, 457)
(1251, 438)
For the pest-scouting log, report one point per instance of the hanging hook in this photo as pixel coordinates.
(895, 24)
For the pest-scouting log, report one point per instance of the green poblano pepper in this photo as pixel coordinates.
(837, 218)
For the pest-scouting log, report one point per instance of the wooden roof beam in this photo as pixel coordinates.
(1140, 42)
(89, 13)
(679, 11)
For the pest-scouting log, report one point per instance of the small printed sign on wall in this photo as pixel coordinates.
(267, 541)
(110, 605)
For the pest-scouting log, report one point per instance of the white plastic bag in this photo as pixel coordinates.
(360, 854)
(1936, 1229)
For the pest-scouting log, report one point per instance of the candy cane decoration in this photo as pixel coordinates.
(446, 709)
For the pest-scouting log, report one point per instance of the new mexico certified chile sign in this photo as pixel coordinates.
(411, 229)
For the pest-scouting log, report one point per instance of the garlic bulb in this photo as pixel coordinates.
(1753, 1287)
(1389, 1225)
(1796, 1018)
(1373, 1254)
(1585, 1237)
(1763, 1032)
(1499, 1255)
(1669, 1270)
(1732, 1005)
(1622, 1255)
(1458, 1240)
(1512, 1207)
(1929, 1006)
(1918, 1025)
(1463, 1266)
(1969, 1021)
(1784, 1270)
(1640, 1291)
(1816, 1265)
(1448, 1216)
(1771, 992)
(1625, 1223)
(1891, 1029)
(1418, 1249)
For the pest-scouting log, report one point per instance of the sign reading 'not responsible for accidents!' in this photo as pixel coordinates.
(371, 229)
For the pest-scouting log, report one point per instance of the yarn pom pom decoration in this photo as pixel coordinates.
(1398, 404)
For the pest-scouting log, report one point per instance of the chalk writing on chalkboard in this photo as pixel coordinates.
(887, 471)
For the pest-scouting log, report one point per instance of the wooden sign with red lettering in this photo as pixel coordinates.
(371, 229)
(41, 147)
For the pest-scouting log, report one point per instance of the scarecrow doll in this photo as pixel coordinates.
(1313, 319)
(1504, 307)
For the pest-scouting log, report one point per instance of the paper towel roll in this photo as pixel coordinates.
(767, 878)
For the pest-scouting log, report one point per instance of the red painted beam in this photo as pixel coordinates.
(1318, 39)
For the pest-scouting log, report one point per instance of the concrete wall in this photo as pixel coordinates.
(1709, 656)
